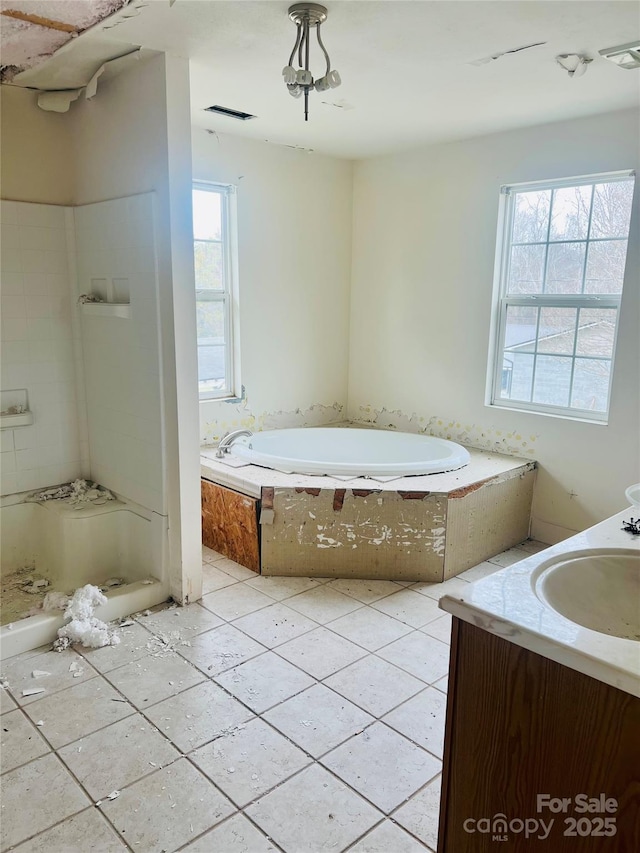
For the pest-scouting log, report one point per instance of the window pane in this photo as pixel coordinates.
(526, 270)
(531, 216)
(208, 266)
(516, 375)
(210, 322)
(596, 332)
(557, 330)
(520, 332)
(611, 209)
(591, 384)
(570, 213)
(605, 267)
(565, 265)
(211, 368)
(552, 380)
(207, 215)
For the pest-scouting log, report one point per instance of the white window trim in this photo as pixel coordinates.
(500, 302)
(228, 296)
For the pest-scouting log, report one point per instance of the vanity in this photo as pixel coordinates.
(542, 743)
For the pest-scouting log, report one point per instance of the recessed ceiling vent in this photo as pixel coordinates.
(225, 111)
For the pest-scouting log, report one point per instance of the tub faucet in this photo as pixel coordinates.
(224, 445)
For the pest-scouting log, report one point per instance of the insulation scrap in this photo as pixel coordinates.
(83, 626)
(55, 601)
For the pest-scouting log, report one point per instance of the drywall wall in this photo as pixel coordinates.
(38, 355)
(294, 256)
(423, 254)
(36, 150)
(134, 137)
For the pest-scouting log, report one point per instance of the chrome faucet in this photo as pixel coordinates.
(224, 445)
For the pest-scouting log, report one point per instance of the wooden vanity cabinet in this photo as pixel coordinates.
(519, 725)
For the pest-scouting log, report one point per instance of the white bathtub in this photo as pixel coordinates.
(339, 451)
(72, 547)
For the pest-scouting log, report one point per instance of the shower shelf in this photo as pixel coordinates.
(107, 309)
(13, 421)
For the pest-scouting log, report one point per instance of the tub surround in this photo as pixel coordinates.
(505, 604)
(427, 528)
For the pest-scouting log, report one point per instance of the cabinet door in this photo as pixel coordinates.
(230, 524)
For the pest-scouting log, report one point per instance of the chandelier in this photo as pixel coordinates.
(299, 80)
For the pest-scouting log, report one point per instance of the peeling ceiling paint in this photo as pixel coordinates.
(31, 31)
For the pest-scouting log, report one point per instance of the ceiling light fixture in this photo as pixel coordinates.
(624, 55)
(300, 80)
(574, 64)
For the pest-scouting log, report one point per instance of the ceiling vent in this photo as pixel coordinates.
(225, 111)
(624, 55)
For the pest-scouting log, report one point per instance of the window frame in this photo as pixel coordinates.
(502, 300)
(228, 294)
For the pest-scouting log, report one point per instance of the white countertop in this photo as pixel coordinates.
(505, 604)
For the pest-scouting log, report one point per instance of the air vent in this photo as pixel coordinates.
(225, 111)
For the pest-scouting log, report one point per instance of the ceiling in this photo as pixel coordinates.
(407, 67)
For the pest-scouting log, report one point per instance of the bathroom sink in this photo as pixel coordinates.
(598, 589)
(633, 494)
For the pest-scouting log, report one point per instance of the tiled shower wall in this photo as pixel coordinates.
(37, 347)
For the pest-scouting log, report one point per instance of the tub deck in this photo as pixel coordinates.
(429, 527)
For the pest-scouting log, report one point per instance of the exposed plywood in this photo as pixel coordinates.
(230, 524)
(355, 533)
(486, 518)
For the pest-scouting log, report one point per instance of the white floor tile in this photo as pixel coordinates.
(383, 766)
(439, 629)
(421, 719)
(134, 644)
(482, 570)
(410, 607)
(19, 673)
(453, 586)
(420, 815)
(370, 628)
(213, 579)
(240, 573)
(235, 835)
(375, 685)
(264, 681)
(78, 711)
(33, 784)
(6, 702)
(220, 649)
(274, 625)
(323, 604)
(364, 590)
(313, 812)
(387, 838)
(509, 557)
(321, 652)
(167, 809)
(198, 715)
(186, 621)
(152, 679)
(117, 756)
(235, 601)
(20, 741)
(247, 763)
(318, 719)
(281, 588)
(85, 831)
(419, 654)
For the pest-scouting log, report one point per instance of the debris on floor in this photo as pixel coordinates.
(33, 691)
(78, 494)
(36, 586)
(55, 601)
(84, 627)
(39, 673)
(110, 583)
(161, 645)
(21, 592)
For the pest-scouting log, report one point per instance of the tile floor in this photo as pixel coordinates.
(278, 714)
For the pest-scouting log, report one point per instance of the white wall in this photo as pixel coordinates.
(134, 137)
(294, 234)
(37, 349)
(423, 255)
(37, 164)
(122, 369)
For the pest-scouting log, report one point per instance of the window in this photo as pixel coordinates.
(560, 260)
(213, 223)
